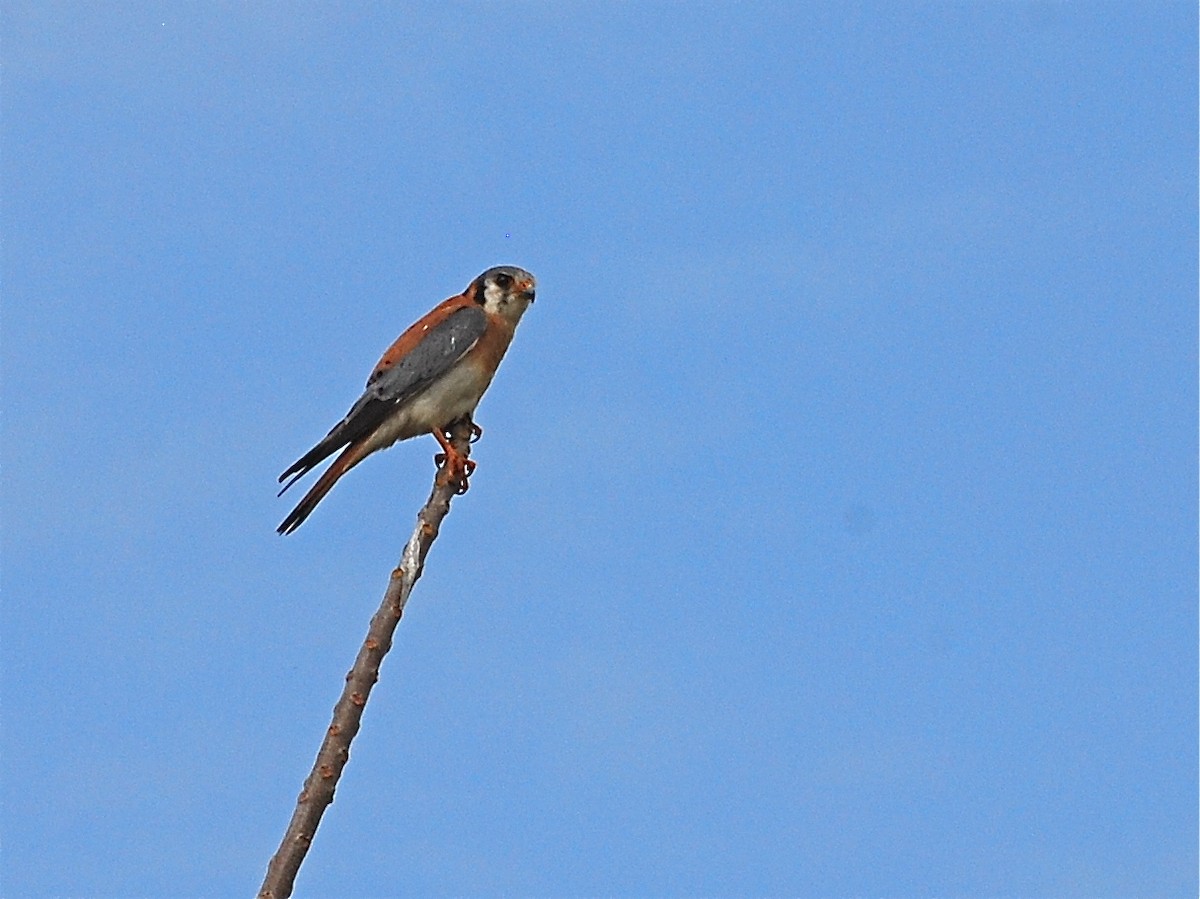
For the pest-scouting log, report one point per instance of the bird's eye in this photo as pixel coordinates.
(504, 281)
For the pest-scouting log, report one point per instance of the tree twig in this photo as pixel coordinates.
(319, 787)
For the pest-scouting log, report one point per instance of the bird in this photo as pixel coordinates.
(432, 377)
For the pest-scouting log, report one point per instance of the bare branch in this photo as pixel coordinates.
(347, 714)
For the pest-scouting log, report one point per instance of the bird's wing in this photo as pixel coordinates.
(420, 356)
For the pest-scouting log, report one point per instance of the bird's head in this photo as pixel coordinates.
(504, 290)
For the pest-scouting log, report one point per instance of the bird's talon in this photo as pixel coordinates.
(476, 433)
(464, 483)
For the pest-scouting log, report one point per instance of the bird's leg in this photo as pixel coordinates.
(458, 468)
(476, 431)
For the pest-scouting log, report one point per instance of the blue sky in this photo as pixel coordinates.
(834, 532)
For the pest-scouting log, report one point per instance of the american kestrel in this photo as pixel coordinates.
(432, 376)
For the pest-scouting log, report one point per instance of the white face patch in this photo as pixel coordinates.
(494, 297)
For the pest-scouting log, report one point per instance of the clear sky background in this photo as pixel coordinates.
(834, 532)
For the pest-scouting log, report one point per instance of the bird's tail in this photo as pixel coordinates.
(349, 457)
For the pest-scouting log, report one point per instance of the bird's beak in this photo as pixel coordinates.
(527, 290)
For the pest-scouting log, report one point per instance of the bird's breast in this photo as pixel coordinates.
(450, 397)
(453, 395)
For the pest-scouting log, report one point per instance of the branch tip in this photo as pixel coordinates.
(319, 788)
